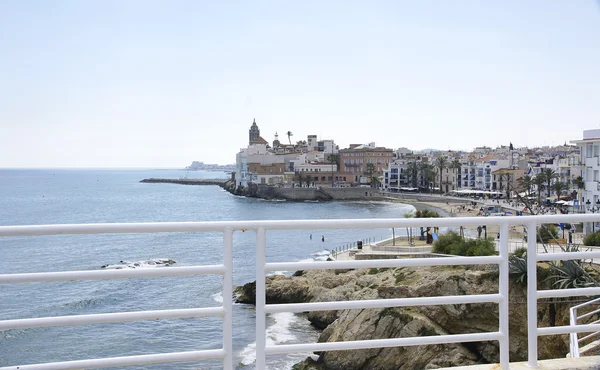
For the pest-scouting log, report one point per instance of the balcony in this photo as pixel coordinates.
(592, 162)
(592, 186)
(262, 229)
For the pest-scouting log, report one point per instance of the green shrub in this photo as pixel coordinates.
(520, 252)
(425, 213)
(592, 239)
(546, 233)
(445, 241)
(452, 243)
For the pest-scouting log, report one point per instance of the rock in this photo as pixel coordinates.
(280, 289)
(363, 324)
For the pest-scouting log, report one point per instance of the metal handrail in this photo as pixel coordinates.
(261, 228)
(574, 340)
(225, 311)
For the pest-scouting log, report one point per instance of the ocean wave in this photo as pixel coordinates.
(150, 263)
(279, 332)
(324, 252)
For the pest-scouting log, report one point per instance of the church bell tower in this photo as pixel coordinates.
(254, 132)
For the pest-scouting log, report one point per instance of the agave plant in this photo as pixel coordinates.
(517, 267)
(571, 273)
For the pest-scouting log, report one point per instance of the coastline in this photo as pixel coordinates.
(444, 206)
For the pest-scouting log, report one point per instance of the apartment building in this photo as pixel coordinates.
(590, 170)
(354, 160)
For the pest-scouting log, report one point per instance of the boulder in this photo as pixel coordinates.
(363, 324)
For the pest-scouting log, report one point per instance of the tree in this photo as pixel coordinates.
(539, 180)
(524, 184)
(441, 162)
(559, 187)
(409, 230)
(332, 158)
(427, 174)
(578, 181)
(371, 172)
(289, 135)
(412, 173)
(456, 165)
(299, 177)
(549, 175)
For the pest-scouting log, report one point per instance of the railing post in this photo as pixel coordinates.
(532, 295)
(503, 290)
(227, 298)
(260, 297)
(574, 344)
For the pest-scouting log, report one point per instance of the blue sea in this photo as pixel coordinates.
(67, 196)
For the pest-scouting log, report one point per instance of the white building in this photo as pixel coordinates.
(590, 172)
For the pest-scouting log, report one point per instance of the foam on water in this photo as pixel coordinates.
(279, 332)
(150, 263)
(217, 297)
(324, 252)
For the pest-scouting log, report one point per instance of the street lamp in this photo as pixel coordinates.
(593, 209)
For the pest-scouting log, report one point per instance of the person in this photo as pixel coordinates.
(498, 236)
(310, 236)
(479, 229)
(323, 238)
(570, 236)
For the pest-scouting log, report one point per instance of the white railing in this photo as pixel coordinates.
(262, 267)
(573, 337)
(225, 311)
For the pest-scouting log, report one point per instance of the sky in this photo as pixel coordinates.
(162, 83)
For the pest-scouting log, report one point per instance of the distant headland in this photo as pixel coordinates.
(201, 166)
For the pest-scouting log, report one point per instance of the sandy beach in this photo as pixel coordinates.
(447, 209)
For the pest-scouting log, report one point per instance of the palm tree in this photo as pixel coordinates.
(456, 165)
(332, 158)
(412, 170)
(371, 172)
(524, 184)
(549, 175)
(441, 162)
(539, 180)
(558, 187)
(409, 231)
(289, 135)
(427, 174)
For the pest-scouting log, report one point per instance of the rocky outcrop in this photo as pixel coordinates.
(345, 325)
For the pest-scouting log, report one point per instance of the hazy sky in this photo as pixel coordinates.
(162, 83)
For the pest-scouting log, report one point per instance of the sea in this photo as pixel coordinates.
(70, 196)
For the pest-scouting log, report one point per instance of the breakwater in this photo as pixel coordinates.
(219, 182)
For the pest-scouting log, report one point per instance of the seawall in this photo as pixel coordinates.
(218, 182)
(311, 194)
